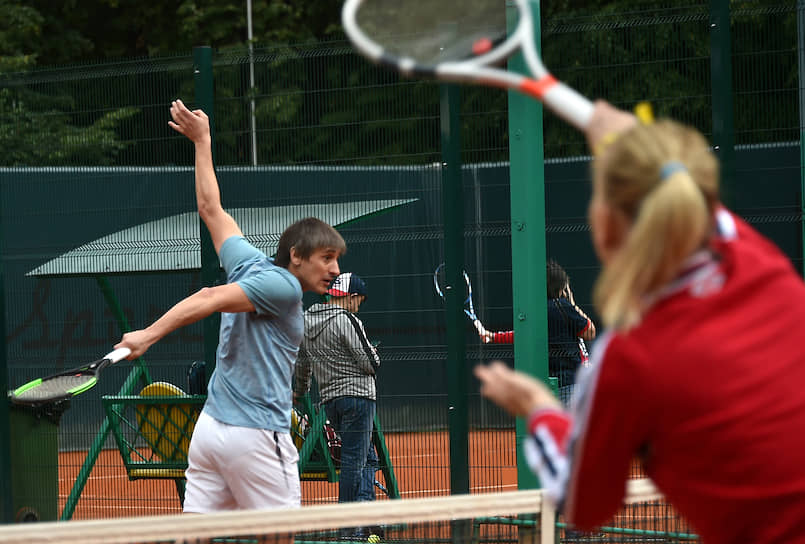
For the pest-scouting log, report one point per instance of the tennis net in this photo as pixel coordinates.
(516, 516)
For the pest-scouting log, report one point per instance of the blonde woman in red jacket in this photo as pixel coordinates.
(700, 371)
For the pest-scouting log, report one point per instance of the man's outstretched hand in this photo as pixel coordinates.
(193, 124)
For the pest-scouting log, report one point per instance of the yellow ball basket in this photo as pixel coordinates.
(300, 425)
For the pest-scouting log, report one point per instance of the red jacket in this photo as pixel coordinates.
(708, 390)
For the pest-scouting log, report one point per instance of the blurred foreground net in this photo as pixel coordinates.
(518, 516)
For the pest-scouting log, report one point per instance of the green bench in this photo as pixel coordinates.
(152, 431)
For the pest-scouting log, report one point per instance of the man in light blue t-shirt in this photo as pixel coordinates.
(241, 454)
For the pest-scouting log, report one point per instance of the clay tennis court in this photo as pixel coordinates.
(420, 460)
(421, 465)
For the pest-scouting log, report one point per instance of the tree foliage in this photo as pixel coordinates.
(43, 33)
(90, 30)
(313, 101)
(20, 36)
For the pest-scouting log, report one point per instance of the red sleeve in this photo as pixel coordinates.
(555, 422)
(612, 422)
(503, 337)
(546, 449)
(586, 327)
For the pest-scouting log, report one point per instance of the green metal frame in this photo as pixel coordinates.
(527, 174)
(801, 97)
(6, 491)
(137, 375)
(138, 451)
(722, 94)
(136, 448)
(316, 463)
(453, 211)
(210, 267)
(142, 461)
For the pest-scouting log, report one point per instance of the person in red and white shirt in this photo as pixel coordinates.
(568, 328)
(700, 372)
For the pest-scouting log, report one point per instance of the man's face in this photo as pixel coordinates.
(317, 271)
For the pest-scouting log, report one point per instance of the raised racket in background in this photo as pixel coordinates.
(68, 383)
(441, 286)
(461, 41)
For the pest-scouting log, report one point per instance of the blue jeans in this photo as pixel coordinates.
(353, 419)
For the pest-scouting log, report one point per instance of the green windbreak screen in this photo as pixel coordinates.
(63, 226)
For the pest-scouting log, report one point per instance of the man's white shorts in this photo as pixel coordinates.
(233, 468)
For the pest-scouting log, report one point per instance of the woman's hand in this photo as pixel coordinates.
(568, 294)
(606, 124)
(516, 392)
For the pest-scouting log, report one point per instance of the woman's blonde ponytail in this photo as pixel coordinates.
(665, 181)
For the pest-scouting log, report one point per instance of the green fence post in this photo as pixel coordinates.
(722, 97)
(6, 496)
(210, 267)
(140, 371)
(123, 324)
(95, 449)
(527, 174)
(801, 93)
(453, 210)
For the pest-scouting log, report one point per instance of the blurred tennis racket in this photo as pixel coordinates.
(66, 384)
(461, 41)
(441, 286)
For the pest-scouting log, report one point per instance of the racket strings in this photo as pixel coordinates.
(464, 289)
(430, 32)
(55, 388)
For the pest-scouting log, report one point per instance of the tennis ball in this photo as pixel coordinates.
(373, 539)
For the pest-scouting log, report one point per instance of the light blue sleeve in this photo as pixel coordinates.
(270, 288)
(237, 250)
(272, 291)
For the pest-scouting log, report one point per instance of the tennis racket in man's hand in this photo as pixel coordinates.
(441, 286)
(461, 41)
(67, 384)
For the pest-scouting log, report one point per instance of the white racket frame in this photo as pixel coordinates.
(561, 99)
(468, 311)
